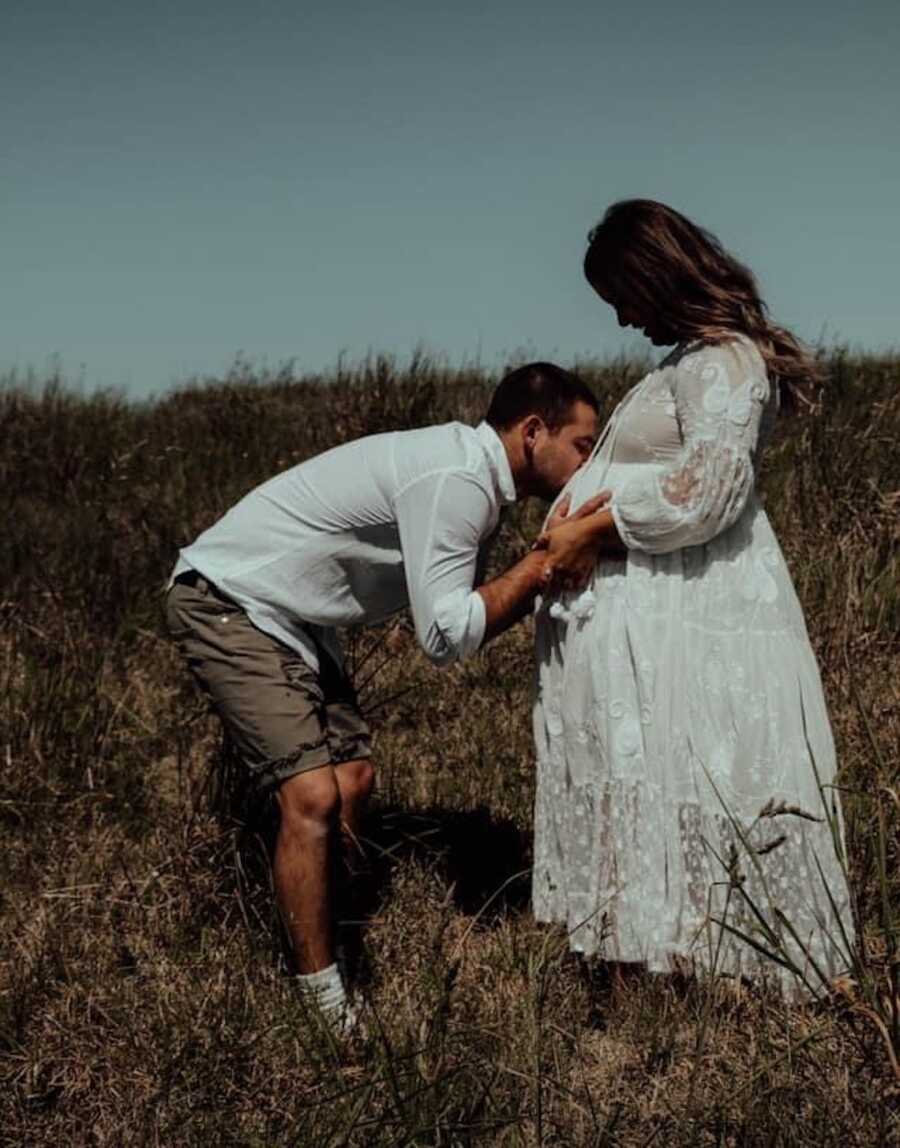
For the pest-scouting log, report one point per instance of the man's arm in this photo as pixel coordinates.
(509, 597)
(442, 519)
(559, 559)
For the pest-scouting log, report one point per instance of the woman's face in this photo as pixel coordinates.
(632, 313)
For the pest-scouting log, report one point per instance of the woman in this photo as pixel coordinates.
(684, 809)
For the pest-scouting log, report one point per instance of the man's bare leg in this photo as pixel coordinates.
(315, 807)
(303, 865)
(355, 780)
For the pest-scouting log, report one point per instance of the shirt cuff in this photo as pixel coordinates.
(461, 619)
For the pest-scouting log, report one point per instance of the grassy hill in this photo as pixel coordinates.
(140, 997)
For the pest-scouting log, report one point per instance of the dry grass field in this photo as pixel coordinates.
(141, 998)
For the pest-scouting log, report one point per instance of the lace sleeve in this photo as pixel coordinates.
(720, 393)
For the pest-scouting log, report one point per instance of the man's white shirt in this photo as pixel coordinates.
(353, 535)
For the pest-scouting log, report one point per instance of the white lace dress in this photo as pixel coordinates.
(685, 763)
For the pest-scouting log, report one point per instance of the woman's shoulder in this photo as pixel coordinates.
(735, 355)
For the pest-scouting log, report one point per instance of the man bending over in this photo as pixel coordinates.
(347, 538)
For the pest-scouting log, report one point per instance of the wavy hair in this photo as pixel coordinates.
(649, 253)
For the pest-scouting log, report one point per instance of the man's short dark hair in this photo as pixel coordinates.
(538, 389)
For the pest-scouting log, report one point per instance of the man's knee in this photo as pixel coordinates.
(356, 779)
(310, 802)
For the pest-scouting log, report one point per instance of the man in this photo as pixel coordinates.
(348, 537)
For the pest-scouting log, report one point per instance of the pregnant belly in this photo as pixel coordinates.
(600, 474)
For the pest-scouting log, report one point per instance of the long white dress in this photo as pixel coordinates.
(685, 763)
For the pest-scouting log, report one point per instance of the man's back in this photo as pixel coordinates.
(354, 534)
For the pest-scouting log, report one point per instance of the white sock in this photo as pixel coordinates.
(326, 987)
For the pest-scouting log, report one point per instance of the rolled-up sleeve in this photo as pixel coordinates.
(443, 518)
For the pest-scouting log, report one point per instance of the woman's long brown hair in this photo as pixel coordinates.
(651, 254)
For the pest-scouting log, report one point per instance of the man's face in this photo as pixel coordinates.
(557, 455)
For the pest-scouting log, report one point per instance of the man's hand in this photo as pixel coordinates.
(568, 549)
(561, 515)
(573, 543)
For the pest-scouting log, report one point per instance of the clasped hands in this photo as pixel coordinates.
(574, 542)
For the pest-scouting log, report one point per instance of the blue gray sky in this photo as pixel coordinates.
(183, 181)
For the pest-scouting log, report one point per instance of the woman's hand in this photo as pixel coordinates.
(561, 515)
(574, 543)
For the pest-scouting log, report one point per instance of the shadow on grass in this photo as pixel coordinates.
(484, 860)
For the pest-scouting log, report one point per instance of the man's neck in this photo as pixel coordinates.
(518, 464)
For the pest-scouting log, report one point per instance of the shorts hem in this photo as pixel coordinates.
(359, 749)
(301, 760)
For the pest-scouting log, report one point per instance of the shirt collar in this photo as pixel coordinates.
(498, 461)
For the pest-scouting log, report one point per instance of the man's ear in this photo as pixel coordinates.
(528, 429)
(531, 425)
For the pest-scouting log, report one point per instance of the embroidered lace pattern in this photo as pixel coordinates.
(685, 760)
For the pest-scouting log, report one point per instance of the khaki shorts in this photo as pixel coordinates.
(281, 716)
